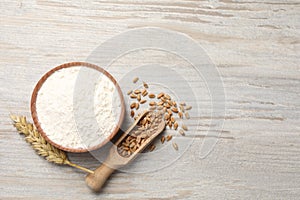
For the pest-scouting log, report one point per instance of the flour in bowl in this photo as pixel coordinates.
(78, 107)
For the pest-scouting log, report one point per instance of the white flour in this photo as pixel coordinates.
(78, 112)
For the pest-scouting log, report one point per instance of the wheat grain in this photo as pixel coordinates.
(181, 132)
(162, 139)
(133, 96)
(135, 80)
(174, 109)
(132, 113)
(129, 92)
(180, 115)
(160, 95)
(187, 115)
(175, 125)
(152, 103)
(137, 91)
(144, 92)
(188, 108)
(132, 105)
(145, 85)
(184, 127)
(152, 147)
(169, 137)
(175, 146)
(151, 95)
(143, 101)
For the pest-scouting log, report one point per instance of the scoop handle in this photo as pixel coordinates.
(96, 180)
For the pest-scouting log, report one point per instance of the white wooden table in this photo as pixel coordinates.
(255, 46)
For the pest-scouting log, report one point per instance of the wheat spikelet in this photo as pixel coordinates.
(40, 145)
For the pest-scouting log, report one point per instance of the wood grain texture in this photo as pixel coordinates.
(255, 45)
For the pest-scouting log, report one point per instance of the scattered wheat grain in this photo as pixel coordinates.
(175, 146)
(145, 85)
(135, 80)
(129, 92)
(151, 95)
(184, 127)
(187, 115)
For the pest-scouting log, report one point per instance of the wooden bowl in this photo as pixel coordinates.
(35, 115)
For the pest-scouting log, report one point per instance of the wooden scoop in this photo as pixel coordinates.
(116, 158)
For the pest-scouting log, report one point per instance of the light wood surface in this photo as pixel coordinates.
(255, 46)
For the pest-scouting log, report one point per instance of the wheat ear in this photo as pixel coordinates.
(40, 145)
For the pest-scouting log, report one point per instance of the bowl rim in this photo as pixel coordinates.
(68, 65)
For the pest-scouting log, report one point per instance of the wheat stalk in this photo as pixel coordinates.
(40, 145)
